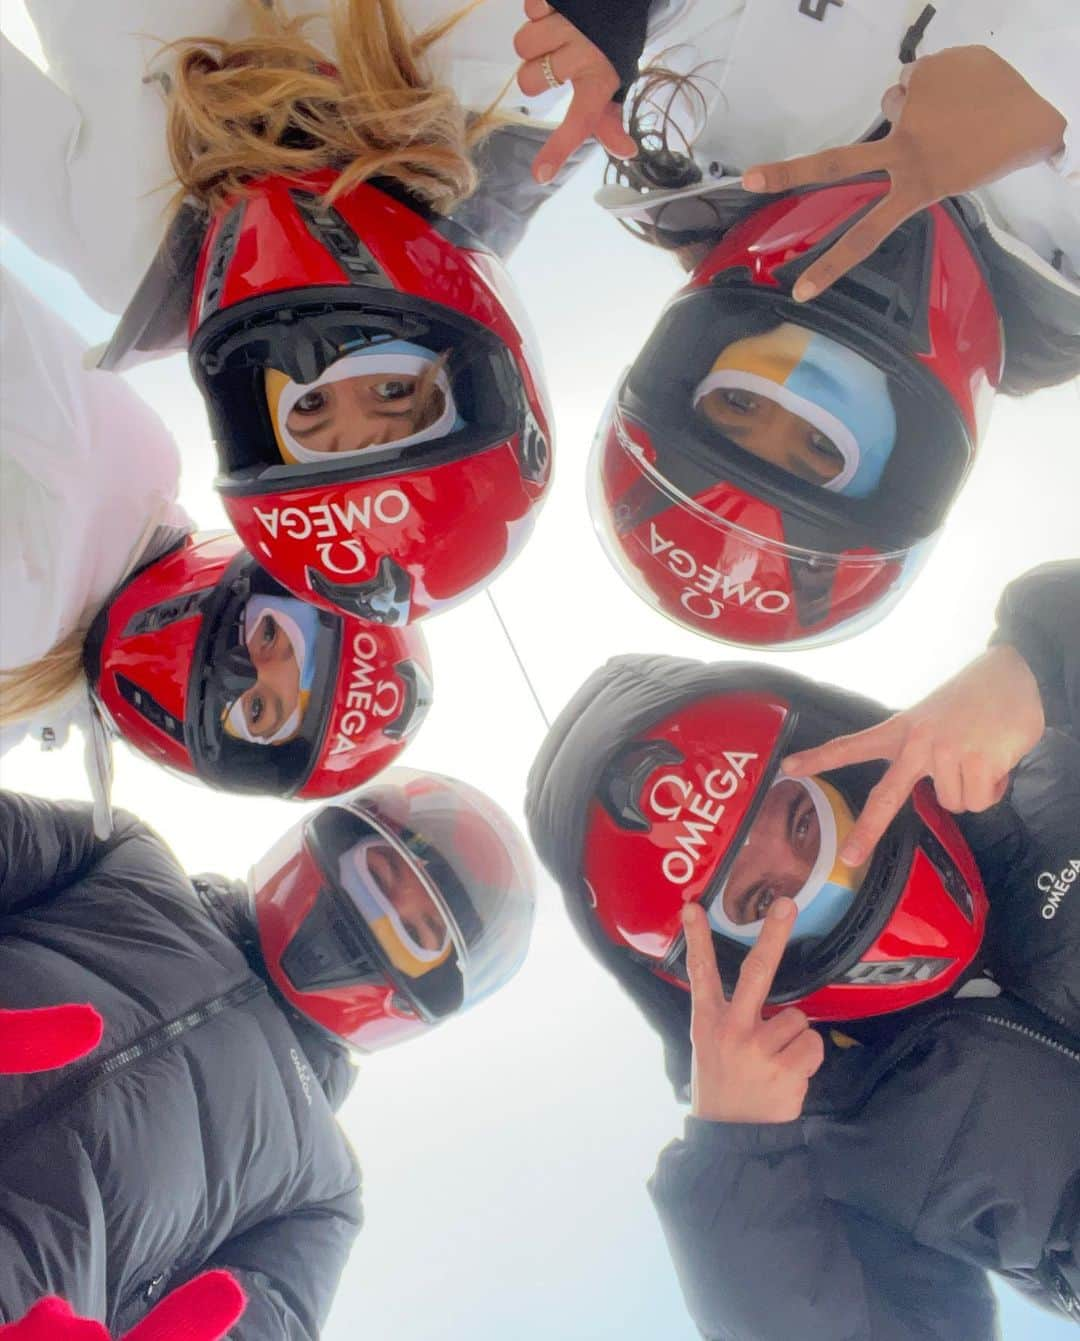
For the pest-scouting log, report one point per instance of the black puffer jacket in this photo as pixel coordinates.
(945, 1143)
(201, 1132)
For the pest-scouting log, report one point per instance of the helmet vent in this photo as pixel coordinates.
(954, 882)
(147, 706)
(893, 284)
(220, 257)
(328, 228)
(167, 612)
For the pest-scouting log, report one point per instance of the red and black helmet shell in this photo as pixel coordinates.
(166, 659)
(390, 533)
(739, 548)
(322, 953)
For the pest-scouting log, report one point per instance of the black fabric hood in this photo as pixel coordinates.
(618, 701)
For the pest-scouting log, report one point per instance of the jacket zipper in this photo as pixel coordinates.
(1027, 1032)
(91, 1075)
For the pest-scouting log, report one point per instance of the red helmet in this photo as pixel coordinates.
(687, 802)
(384, 913)
(205, 664)
(772, 473)
(377, 402)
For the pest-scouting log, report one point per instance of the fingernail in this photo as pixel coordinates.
(804, 291)
(754, 181)
(850, 855)
(544, 173)
(782, 909)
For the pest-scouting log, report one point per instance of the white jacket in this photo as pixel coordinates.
(780, 83)
(87, 473)
(82, 148)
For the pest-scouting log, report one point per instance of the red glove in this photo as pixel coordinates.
(41, 1040)
(202, 1310)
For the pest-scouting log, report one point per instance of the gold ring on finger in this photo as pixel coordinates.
(549, 73)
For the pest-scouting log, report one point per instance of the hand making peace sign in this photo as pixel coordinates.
(746, 1068)
(968, 736)
(960, 118)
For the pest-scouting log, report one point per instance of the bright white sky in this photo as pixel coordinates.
(505, 1156)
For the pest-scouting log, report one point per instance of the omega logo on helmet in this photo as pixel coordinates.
(330, 521)
(679, 796)
(706, 579)
(362, 701)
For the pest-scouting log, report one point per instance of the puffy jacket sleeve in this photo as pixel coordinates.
(45, 846)
(760, 1252)
(290, 1267)
(503, 204)
(1039, 615)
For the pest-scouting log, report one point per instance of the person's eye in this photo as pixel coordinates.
(826, 449)
(394, 389)
(267, 631)
(763, 902)
(256, 707)
(741, 401)
(311, 402)
(802, 823)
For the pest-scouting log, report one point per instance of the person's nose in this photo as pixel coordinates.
(237, 672)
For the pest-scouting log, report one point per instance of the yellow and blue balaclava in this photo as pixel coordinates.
(299, 623)
(830, 887)
(391, 358)
(360, 883)
(837, 391)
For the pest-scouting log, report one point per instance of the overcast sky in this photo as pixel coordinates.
(505, 1156)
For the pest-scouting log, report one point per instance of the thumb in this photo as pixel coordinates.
(580, 124)
(618, 142)
(202, 1310)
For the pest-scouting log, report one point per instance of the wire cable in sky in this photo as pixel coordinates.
(517, 658)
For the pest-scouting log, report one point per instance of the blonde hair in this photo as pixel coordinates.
(272, 105)
(28, 690)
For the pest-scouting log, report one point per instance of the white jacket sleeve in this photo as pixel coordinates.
(86, 468)
(36, 203)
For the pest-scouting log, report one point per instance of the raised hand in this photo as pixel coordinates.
(967, 736)
(202, 1310)
(960, 118)
(572, 58)
(746, 1068)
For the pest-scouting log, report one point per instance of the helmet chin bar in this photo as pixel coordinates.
(383, 599)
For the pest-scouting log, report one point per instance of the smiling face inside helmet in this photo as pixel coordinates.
(390, 392)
